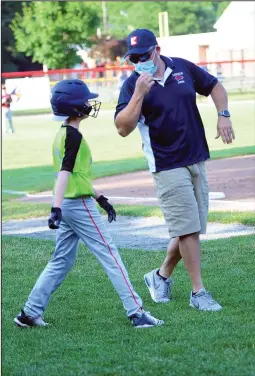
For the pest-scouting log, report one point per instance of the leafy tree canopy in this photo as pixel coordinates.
(49, 31)
(184, 17)
(12, 60)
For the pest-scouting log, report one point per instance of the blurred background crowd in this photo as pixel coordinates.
(43, 42)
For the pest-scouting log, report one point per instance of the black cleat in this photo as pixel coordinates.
(24, 321)
(146, 320)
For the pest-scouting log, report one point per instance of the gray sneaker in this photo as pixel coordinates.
(159, 289)
(204, 301)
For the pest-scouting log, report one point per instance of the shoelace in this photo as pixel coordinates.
(166, 289)
(153, 319)
(207, 298)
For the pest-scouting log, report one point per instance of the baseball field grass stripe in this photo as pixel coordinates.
(15, 209)
(35, 179)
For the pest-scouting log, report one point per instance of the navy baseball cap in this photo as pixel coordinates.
(140, 41)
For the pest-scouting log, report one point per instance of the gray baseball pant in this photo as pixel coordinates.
(7, 119)
(82, 220)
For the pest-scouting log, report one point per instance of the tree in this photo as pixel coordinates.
(184, 17)
(51, 32)
(123, 17)
(193, 17)
(12, 60)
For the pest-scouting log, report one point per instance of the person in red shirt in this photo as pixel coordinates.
(6, 111)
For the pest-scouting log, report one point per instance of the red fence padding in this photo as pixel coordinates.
(102, 69)
(62, 71)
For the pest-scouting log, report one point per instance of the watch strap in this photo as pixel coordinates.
(224, 113)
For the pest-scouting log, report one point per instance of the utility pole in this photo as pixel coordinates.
(163, 24)
(104, 9)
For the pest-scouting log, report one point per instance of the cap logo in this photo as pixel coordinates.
(133, 41)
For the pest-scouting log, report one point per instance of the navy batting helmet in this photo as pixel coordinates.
(69, 98)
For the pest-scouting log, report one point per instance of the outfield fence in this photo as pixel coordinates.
(238, 76)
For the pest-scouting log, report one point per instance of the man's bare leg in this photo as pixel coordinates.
(189, 246)
(172, 258)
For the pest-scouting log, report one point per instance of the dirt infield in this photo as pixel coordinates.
(235, 177)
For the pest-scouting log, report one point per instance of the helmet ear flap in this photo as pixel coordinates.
(85, 110)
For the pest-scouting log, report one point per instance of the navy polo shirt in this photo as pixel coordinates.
(170, 124)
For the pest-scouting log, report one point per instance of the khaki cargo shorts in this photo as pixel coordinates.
(183, 195)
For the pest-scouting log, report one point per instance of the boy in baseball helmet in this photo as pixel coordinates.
(74, 212)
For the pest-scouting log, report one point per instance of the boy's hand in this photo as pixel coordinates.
(55, 218)
(103, 202)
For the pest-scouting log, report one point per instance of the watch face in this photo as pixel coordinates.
(226, 113)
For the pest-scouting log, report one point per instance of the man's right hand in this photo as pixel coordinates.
(55, 218)
(144, 83)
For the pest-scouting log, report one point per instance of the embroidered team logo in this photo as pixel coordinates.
(133, 41)
(179, 77)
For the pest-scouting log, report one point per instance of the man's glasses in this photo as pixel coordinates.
(140, 58)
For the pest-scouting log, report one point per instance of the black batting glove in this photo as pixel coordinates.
(104, 204)
(55, 218)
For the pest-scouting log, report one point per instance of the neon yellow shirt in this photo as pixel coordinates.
(72, 153)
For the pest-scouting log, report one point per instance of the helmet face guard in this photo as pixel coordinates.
(91, 110)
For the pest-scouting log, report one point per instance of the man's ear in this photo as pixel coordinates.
(158, 49)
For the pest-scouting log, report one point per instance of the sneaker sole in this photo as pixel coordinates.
(148, 325)
(20, 324)
(207, 310)
(143, 326)
(148, 284)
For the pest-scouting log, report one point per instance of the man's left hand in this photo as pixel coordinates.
(225, 130)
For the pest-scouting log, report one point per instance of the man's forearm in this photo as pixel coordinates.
(126, 120)
(60, 188)
(220, 97)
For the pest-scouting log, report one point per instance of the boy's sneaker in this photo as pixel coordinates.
(204, 301)
(145, 320)
(24, 321)
(159, 288)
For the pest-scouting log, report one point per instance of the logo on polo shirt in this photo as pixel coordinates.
(179, 77)
(133, 41)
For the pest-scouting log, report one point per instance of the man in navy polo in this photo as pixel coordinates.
(160, 98)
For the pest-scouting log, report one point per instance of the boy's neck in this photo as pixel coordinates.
(73, 123)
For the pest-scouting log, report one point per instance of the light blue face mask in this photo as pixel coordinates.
(147, 66)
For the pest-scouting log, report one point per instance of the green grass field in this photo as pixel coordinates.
(90, 335)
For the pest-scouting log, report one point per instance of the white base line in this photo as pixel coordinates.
(212, 196)
(10, 192)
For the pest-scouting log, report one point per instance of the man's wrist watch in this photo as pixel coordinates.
(224, 113)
